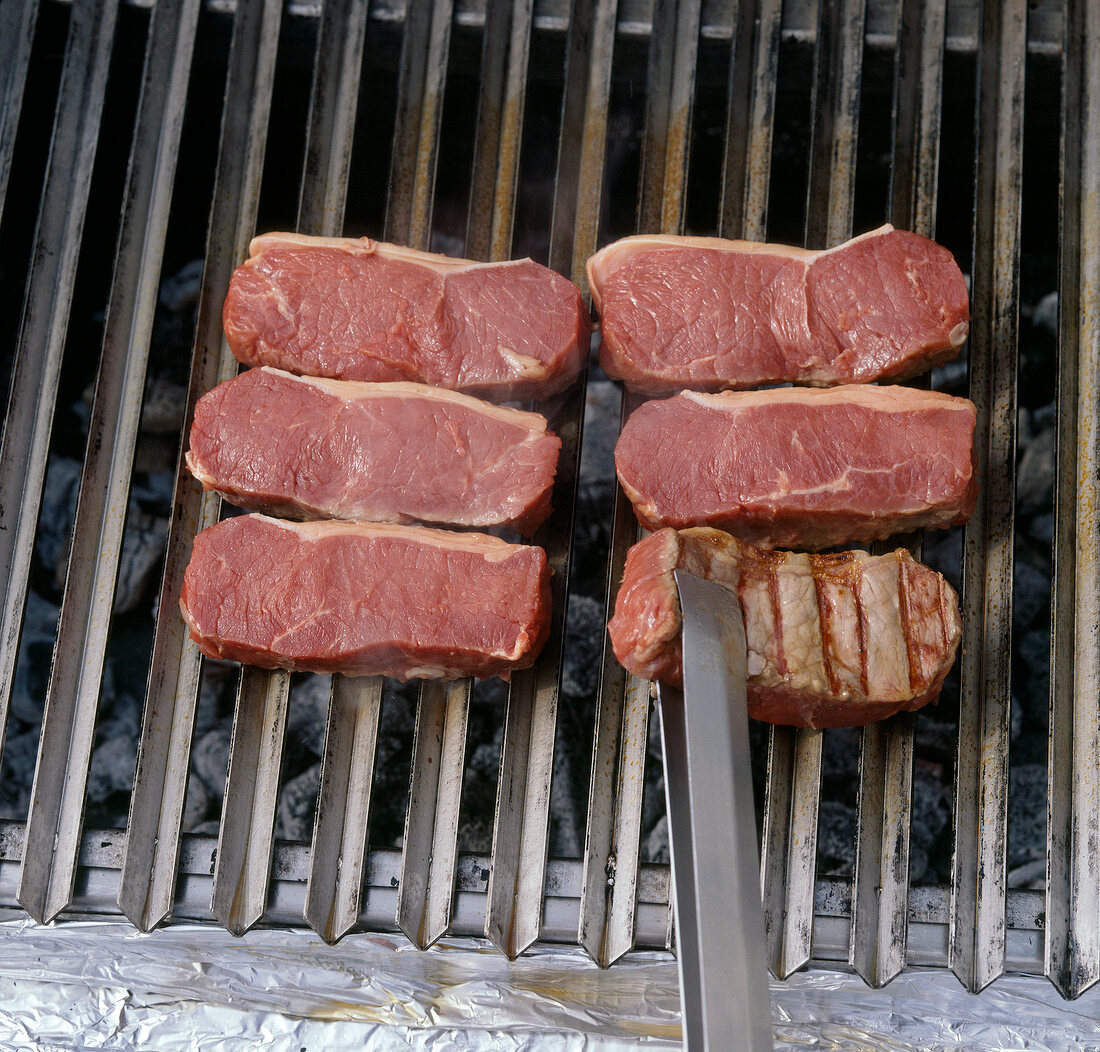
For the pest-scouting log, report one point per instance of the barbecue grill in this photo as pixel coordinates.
(493, 129)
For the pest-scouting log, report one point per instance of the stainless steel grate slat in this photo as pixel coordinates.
(29, 416)
(578, 184)
(420, 89)
(521, 821)
(495, 179)
(351, 732)
(789, 856)
(616, 787)
(613, 830)
(880, 886)
(438, 767)
(334, 98)
(430, 854)
(1073, 827)
(670, 94)
(29, 420)
(750, 117)
(160, 781)
(72, 698)
(337, 856)
(246, 838)
(425, 887)
(981, 770)
(17, 21)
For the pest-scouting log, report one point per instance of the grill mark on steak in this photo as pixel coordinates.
(777, 614)
(906, 626)
(861, 629)
(826, 630)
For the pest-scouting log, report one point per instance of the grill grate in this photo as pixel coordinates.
(611, 899)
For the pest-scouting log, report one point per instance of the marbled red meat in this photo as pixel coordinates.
(312, 448)
(833, 640)
(366, 599)
(801, 468)
(709, 314)
(357, 309)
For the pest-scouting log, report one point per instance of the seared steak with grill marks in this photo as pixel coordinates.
(312, 448)
(833, 640)
(709, 314)
(801, 468)
(366, 599)
(357, 309)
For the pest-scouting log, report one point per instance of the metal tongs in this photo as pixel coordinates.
(712, 829)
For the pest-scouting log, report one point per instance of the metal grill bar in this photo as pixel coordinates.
(242, 867)
(615, 794)
(794, 756)
(29, 416)
(521, 823)
(426, 888)
(666, 149)
(435, 793)
(337, 858)
(16, 36)
(419, 111)
(340, 825)
(337, 65)
(160, 781)
(616, 787)
(1073, 828)
(581, 155)
(880, 886)
(491, 217)
(430, 852)
(981, 770)
(65, 746)
(750, 114)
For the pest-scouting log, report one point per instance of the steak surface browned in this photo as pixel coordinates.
(709, 314)
(357, 309)
(366, 599)
(313, 448)
(833, 640)
(801, 468)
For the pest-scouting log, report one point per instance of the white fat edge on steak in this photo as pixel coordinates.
(604, 263)
(891, 398)
(365, 246)
(491, 549)
(361, 390)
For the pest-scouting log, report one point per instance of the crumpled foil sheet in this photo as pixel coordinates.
(98, 984)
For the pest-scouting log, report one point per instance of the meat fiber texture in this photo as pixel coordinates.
(801, 468)
(833, 640)
(357, 309)
(366, 599)
(313, 448)
(709, 314)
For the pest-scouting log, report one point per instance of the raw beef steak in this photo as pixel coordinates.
(357, 309)
(366, 599)
(312, 449)
(801, 468)
(833, 640)
(708, 314)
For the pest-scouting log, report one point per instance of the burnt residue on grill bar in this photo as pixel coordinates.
(441, 124)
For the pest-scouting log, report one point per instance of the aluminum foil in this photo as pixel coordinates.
(98, 984)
